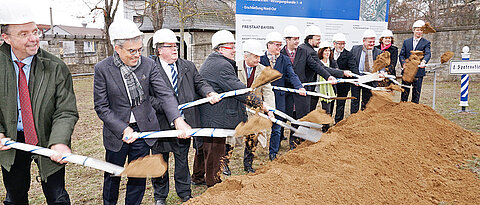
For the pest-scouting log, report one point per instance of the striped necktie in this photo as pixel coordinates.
(26, 107)
(175, 81)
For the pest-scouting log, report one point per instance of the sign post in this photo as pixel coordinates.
(464, 81)
(464, 67)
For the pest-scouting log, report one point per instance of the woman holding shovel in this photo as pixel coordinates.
(325, 55)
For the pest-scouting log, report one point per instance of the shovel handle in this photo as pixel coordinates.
(221, 96)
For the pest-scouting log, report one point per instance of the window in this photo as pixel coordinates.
(89, 47)
(68, 48)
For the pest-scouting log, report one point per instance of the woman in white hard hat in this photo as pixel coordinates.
(325, 55)
(386, 44)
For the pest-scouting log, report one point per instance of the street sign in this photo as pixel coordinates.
(464, 67)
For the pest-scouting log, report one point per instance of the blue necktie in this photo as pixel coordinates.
(249, 72)
(174, 81)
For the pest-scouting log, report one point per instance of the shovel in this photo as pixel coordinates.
(198, 132)
(302, 132)
(293, 121)
(312, 93)
(361, 79)
(392, 78)
(221, 95)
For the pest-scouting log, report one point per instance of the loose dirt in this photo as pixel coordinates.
(149, 166)
(427, 28)
(446, 57)
(318, 116)
(267, 75)
(254, 124)
(411, 66)
(382, 61)
(391, 153)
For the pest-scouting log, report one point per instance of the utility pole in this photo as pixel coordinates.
(51, 20)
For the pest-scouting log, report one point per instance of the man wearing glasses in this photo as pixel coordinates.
(127, 91)
(38, 107)
(184, 80)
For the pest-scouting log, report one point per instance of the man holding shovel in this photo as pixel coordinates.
(416, 43)
(38, 107)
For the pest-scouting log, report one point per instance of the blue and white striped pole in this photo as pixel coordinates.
(464, 81)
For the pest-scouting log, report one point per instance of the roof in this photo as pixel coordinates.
(79, 31)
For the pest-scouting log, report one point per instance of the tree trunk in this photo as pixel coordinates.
(182, 32)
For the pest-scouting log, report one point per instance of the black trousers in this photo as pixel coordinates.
(342, 91)
(181, 173)
(417, 89)
(17, 181)
(366, 94)
(302, 108)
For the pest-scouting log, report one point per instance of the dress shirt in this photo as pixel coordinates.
(26, 69)
(415, 42)
(168, 70)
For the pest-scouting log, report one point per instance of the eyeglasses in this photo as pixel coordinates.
(25, 35)
(229, 48)
(134, 51)
(170, 46)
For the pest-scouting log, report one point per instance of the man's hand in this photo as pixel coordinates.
(127, 135)
(331, 78)
(2, 147)
(61, 149)
(271, 115)
(180, 124)
(215, 97)
(347, 73)
(423, 64)
(302, 92)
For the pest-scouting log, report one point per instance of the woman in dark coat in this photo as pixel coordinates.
(386, 44)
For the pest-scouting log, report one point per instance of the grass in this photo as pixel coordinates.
(85, 184)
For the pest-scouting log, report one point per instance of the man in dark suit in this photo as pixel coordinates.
(346, 62)
(364, 56)
(184, 80)
(127, 86)
(417, 43)
(305, 67)
(312, 40)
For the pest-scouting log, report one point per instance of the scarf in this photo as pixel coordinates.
(326, 89)
(133, 85)
(385, 47)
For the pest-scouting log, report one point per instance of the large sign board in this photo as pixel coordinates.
(465, 67)
(256, 18)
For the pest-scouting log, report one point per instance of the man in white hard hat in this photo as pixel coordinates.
(282, 64)
(38, 107)
(305, 67)
(346, 62)
(364, 56)
(248, 70)
(416, 43)
(312, 40)
(128, 89)
(184, 80)
(220, 71)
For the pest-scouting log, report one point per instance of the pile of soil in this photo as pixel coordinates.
(267, 75)
(446, 57)
(411, 66)
(318, 116)
(395, 153)
(382, 61)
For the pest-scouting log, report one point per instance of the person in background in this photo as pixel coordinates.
(416, 43)
(346, 62)
(386, 44)
(127, 90)
(37, 107)
(185, 82)
(325, 55)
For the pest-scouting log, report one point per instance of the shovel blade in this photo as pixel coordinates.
(308, 134)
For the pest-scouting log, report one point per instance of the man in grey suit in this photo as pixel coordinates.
(364, 56)
(127, 86)
(182, 78)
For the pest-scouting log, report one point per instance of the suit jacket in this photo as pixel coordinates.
(265, 90)
(393, 58)
(423, 45)
(221, 73)
(346, 61)
(190, 86)
(357, 53)
(335, 72)
(305, 66)
(113, 105)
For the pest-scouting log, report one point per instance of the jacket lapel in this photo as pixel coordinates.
(117, 77)
(164, 74)
(182, 70)
(241, 72)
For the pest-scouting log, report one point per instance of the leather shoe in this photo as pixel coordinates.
(185, 199)
(160, 202)
(226, 170)
(199, 183)
(249, 169)
(272, 157)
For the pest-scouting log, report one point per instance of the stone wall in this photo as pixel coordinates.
(453, 39)
(201, 47)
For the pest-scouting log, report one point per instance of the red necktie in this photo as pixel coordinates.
(26, 107)
(292, 56)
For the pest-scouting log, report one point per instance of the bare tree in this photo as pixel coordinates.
(108, 10)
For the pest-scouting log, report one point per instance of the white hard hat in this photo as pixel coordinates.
(164, 36)
(386, 33)
(123, 29)
(339, 37)
(325, 44)
(274, 37)
(369, 33)
(291, 31)
(15, 12)
(253, 46)
(221, 37)
(418, 24)
(313, 31)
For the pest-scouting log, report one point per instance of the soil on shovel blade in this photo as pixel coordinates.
(393, 153)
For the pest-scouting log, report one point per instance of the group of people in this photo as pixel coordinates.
(133, 93)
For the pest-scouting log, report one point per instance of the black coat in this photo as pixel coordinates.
(335, 72)
(346, 61)
(393, 58)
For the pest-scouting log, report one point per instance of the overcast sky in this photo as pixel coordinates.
(68, 12)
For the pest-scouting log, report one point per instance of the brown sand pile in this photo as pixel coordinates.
(149, 166)
(267, 75)
(446, 57)
(254, 124)
(382, 61)
(398, 153)
(318, 116)
(427, 28)
(411, 67)
(394, 87)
